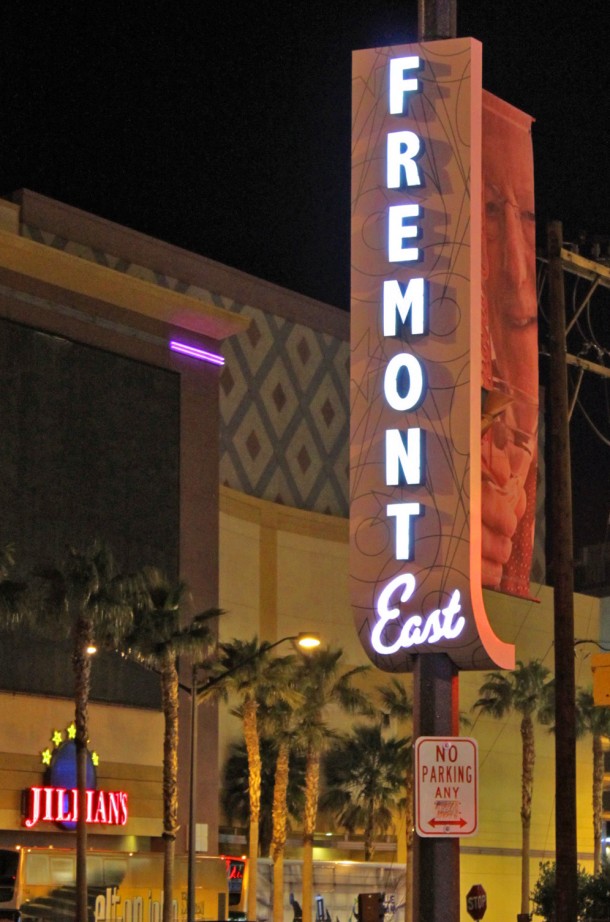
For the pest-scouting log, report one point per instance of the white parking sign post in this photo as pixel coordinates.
(446, 786)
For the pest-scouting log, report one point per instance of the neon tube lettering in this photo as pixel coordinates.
(404, 457)
(405, 384)
(402, 149)
(400, 230)
(400, 84)
(441, 624)
(60, 805)
(410, 304)
(415, 392)
(404, 514)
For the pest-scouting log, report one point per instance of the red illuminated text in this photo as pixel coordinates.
(60, 805)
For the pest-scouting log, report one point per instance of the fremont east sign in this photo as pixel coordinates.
(415, 394)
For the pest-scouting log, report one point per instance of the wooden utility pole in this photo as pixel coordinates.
(563, 591)
(436, 19)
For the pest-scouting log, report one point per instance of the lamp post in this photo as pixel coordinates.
(305, 640)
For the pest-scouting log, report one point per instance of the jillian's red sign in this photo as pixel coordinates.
(60, 805)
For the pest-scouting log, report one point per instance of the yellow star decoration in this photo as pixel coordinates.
(57, 738)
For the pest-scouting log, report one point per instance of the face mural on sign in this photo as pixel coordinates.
(509, 349)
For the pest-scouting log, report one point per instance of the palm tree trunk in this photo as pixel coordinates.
(252, 741)
(310, 815)
(169, 854)
(409, 848)
(409, 881)
(527, 792)
(278, 843)
(369, 832)
(278, 887)
(598, 786)
(169, 699)
(81, 662)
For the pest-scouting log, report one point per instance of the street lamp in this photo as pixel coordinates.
(305, 640)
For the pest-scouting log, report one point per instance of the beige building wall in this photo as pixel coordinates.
(284, 570)
(493, 857)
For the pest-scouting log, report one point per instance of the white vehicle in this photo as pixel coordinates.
(337, 885)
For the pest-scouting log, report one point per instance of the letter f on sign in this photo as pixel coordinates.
(400, 83)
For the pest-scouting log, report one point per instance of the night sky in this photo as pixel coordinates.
(224, 128)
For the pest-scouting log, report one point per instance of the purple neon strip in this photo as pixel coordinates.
(202, 354)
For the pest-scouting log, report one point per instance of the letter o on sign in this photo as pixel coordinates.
(476, 901)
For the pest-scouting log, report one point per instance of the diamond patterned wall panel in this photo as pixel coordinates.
(285, 415)
(284, 405)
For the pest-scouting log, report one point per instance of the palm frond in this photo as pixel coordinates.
(7, 559)
(496, 695)
(395, 700)
(12, 603)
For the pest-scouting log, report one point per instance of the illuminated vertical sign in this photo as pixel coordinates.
(415, 518)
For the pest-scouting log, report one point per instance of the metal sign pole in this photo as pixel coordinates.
(436, 862)
(436, 19)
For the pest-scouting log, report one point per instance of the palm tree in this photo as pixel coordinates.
(281, 720)
(323, 685)
(279, 817)
(7, 558)
(157, 640)
(364, 775)
(397, 704)
(12, 593)
(596, 721)
(528, 691)
(243, 669)
(234, 794)
(87, 599)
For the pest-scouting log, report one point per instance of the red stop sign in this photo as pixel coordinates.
(476, 901)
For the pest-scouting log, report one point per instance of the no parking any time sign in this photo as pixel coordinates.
(446, 786)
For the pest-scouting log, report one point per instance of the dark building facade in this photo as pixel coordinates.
(108, 435)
